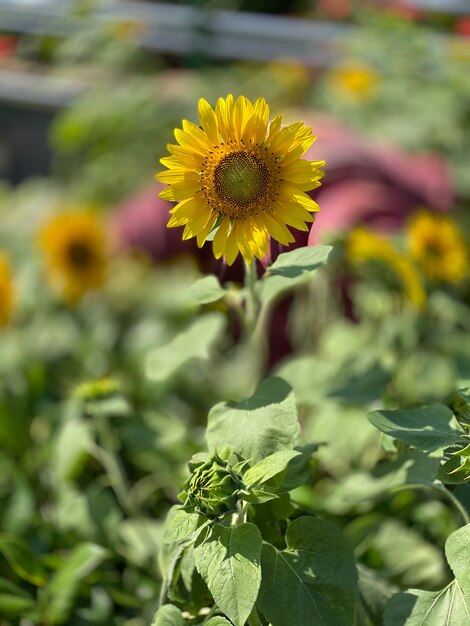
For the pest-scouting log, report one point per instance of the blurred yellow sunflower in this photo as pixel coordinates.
(241, 176)
(6, 290)
(75, 249)
(438, 247)
(364, 246)
(354, 81)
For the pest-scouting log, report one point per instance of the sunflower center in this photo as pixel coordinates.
(80, 255)
(241, 178)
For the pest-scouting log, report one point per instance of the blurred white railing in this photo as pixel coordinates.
(178, 29)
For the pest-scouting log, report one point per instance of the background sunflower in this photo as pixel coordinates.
(6, 289)
(75, 251)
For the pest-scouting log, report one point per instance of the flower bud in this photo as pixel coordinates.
(213, 487)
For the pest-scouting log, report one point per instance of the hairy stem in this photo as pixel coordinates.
(251, 306)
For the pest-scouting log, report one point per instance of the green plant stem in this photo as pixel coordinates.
(444, 492)
(113, 466)
(252, 305)
(456, 503)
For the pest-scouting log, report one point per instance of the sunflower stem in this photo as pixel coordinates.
(251, 302)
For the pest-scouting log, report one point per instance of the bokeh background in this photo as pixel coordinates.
(109, 361)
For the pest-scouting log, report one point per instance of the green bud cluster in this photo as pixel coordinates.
(214, 487)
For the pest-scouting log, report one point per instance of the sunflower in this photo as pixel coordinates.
(438, 247)
(240, 176)
(356, 81)
(6, 290)
(364, 246)
(75, 250)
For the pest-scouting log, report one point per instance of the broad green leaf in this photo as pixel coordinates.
(65, 583)
(218, 621)
(313, 581)
(407, 556)
(258, 426)
(291, 269)
(142, 537)
(14, 600)
(71, 449)
(362, 489)
(22, 561)
(310, 377)
(299, 469)
(181, 524)
(269, 467)
(374, 594)
(362, 388)
(228, 559)
(448, 607)
(206, 290)
(168, 615)
(427, 428)
(193, 343)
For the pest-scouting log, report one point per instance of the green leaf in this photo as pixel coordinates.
(142, 537)
(206, 290)
(65, 583)
(461, 403)
(374, 593)
(228, 559)
(362, 489)
(168, 615)
(22, 561)
(362, 388)
(407, 556)
(71, 449)
(313, 581)
(258, 426)
(448, 607)
(14, 600)
(181, 524)
(299, 469)
(269, 467)
(428, 428)
(291, 269)
(193, 343)
(218, 621)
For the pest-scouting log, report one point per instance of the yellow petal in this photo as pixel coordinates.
(179, 191)
(220, 238)
(300, 171)
(188, 141)
(292, 214)
(278, 230)
(197, 134)
(196, 225)
(274, 127)
(208, 121)
(282, 142)
(224, 113)
(187, 210)
(240, 116)
(305, 201)
(231, 248)
(204, 232)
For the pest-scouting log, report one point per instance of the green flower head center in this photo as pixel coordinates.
(241, 179)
